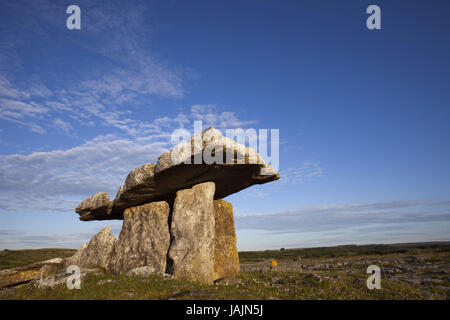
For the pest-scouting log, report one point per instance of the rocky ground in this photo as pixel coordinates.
(420, 271)
(425, 271)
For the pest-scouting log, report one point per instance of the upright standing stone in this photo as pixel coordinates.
(96, 253)
(192, 228)
(226, 259)
(144, 239)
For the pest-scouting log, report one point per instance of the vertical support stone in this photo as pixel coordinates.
(143, 240)
(226, 259)
(192, 229)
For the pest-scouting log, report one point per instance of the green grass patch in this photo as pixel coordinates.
(255, 285)
(18, 258)
(340, 251)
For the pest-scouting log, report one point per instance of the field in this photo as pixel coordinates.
(408, 271)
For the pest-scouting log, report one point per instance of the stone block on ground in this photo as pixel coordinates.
(15, 276)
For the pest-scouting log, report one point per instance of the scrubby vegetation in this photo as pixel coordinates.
(409, 271)
(340, 251)
(17, 258)
(254, 285)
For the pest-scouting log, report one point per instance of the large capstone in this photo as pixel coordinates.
(144, 239)
(191, 252)
(206, 157)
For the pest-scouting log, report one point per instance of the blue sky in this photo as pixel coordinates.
(363, 114)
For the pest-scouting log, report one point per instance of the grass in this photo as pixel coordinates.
(340, 251)
(332, 283)
(18, 258)
(255, 285)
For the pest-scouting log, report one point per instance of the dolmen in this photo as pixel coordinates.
(175, 220)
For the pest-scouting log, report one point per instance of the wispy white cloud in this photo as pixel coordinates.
(333, 217)
(306, 171)
(21, 239)
(338, 224)
(15, 109)
(7, 89)
(63, 125)
(107, 97)
(133, 73)
(57, 180)
(209, 114)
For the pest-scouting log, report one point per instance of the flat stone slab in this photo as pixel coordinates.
(206, 157)
(20, 275)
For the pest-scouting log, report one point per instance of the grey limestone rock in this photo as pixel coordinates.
(96, 207)
(96, 253)
(143, 240)
(192, 228)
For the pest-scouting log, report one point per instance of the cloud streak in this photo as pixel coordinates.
(47, 180)
(127, 73)
(126, 77)
(338, 224)
(332, 217)
(306, 171)
(19, 239)
(58, 180)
